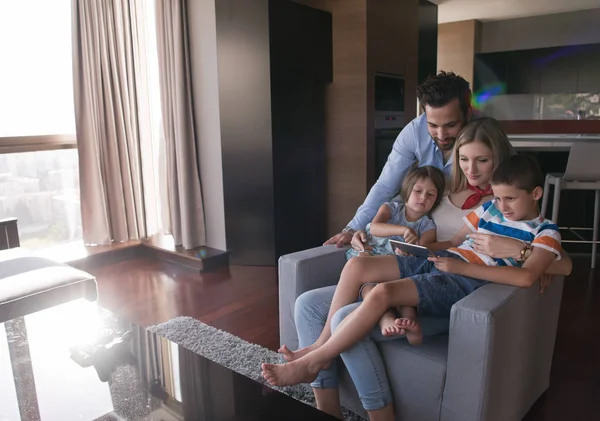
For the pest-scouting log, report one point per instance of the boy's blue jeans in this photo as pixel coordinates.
(363, 361)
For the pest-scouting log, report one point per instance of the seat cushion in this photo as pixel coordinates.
(417, 376)
(23, 275)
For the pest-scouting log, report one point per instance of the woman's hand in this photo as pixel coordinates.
(410, 236)
(545, 280)
(496, 246)
(359, 241)
(448, 264)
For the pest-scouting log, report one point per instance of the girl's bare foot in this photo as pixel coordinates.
(303, 370)
(290, 355)
(412, 328)
(387, 323)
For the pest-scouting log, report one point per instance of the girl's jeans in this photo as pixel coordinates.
(363, 361)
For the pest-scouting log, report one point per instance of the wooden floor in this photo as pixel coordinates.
(243, 301)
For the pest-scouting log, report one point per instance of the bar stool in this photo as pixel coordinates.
(582, 173)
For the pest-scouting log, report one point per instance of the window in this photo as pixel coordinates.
(39, 175)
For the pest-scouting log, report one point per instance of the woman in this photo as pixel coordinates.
(480, 146)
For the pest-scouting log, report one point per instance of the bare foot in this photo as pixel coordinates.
(413, 330)
(388, 325)
(303, 370)
(290, 355)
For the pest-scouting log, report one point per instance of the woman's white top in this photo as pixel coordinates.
(448, 218)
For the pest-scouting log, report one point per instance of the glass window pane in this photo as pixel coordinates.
(41, 189)
(36, 75)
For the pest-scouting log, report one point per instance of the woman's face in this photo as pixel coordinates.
(476, 161)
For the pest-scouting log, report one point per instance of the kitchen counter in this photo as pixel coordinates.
(549, 142)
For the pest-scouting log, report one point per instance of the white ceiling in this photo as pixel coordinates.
(486, 10)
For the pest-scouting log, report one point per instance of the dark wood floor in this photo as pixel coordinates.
(243, 301)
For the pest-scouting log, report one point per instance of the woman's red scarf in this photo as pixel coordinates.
(476, 197)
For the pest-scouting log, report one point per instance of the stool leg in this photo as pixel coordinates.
(556, 203)
(545, 198)
(595, 235)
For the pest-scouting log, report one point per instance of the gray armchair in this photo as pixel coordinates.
(491, 366)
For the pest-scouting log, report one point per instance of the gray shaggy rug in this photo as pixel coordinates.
(233, 353)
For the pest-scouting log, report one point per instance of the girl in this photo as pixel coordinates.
(421, 192)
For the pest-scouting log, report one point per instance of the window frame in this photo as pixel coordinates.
(15, 144)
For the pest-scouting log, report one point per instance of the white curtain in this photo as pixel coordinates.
(117, 142)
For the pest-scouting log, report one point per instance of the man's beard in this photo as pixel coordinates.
(445, 146)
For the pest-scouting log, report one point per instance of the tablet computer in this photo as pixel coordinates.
(412, 249)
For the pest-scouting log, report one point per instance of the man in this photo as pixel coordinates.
(429, 138)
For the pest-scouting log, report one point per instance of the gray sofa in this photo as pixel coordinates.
(492, 365)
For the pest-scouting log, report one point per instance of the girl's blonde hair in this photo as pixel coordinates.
(421, 173)
(487, 131)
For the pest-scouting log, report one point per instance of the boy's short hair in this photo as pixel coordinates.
(520, 171)
(420, 173)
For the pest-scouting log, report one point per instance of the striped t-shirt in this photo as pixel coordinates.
(487, 219)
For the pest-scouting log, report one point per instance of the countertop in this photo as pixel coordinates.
(553, 142)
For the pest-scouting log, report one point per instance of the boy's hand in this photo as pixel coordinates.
(545, 280)
(410, 236)
(448, 264)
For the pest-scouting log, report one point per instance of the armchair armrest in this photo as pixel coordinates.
(500, 348)
(300, 272)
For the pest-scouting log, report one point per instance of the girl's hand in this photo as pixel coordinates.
(401, 252)
(448, 264)
(359, 241)
(496, 246)
(410, 236)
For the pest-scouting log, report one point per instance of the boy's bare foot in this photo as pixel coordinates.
(290, 355)
(413, 330)
(303, 370)
(387, 323)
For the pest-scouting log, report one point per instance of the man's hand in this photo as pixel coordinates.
(448, 264)
(340, 240)
(410, 236)
(545, 280)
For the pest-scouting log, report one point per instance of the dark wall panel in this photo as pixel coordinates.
(273, 71)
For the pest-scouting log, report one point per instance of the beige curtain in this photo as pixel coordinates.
(183, 175)
(113, 121)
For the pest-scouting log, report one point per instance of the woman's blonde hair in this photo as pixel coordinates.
(487, 131)
(422, 173)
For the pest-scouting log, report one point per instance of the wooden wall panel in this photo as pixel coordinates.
(368, 36)
(458, 42)
(346, 110)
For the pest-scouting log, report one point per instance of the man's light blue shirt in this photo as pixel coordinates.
(412, 144)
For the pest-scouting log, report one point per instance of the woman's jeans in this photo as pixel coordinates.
(363, 361)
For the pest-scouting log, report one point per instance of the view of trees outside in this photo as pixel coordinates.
(41, 189)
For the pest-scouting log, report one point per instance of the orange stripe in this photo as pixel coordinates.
(473, 219)
(469, 255)
(548, 242)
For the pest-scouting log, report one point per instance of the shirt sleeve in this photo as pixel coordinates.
(549, 239)
(427, 225)
(388, 184)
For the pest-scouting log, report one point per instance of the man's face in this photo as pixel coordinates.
(444, 123)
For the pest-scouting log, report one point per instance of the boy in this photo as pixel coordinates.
(435, 284)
